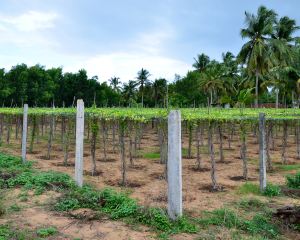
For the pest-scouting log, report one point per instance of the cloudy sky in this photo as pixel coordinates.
(119, 37)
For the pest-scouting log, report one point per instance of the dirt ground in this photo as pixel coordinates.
(146, 182)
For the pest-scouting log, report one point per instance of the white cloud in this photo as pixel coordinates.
(154, 42)
(30, 21)
(27, 30)
(126, 65)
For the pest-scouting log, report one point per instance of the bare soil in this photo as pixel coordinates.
(146, 182)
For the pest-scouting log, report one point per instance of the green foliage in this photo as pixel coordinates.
(153, 155)
(7, 233)
(14, 208)
(259, 224)
(293, 181)
(46, 232)
(248, 188)
(288, 167)
(67, 204)
(252, 203)
(262, 225)
(40, 181)
(272, 190)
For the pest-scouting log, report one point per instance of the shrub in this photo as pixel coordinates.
(46, 232)
(293, 181)
(272, 190)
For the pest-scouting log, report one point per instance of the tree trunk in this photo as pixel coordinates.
(33, 131)
(66, 141)
(189, 155)
(221, 152)
(198, 133)
(256, 88)
(104, 138)
(268, 140)
(50, 138)
(243, 152)
(277, 98)
(93, 145)
(122, 153)
(284, 143)
(212, 158)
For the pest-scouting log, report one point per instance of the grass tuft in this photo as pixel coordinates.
(248, 188)
(293, 181)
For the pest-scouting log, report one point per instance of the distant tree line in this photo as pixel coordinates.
(266, 70)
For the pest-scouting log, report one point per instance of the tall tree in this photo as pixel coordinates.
(115, 83)
(159, 90)
(142, 79)
(212, 79)
(201, 62)
(129, 91)
(256, 52)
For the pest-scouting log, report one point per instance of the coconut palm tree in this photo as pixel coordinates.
(129, 91)
(283, 51)
(201, 62)
(212, 79)
(159, 90)
(142, 79)
(256, 52)
(114, 83)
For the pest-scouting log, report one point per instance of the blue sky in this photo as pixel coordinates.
(119, 37)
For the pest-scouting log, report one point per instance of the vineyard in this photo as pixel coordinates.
(127, 148)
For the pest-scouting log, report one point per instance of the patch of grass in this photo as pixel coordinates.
(114, 204)
(23, 196)
(46, 232)
(293, 181)
(251, 188)
(41, 181)
(7, 232)
(248, 188)
(260, 224)
(14, 208)
(121, 206)
(153, 155)
(272, 190)
(291, 167)
(251, 204)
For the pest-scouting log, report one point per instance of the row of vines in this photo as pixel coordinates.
(112, 131)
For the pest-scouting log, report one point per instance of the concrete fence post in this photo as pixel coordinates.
(24, 132)
(262, 152)
(174, 165)
(79, 143)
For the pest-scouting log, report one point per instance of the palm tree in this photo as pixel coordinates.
(201, 62)
(129, 91)
(114, 83)
(256, 52)
(142, 79)
(212, 79)
(283, 50)
(159, 90)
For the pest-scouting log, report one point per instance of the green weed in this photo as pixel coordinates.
(153, 155)
(248, 188)
(46, 232)
(293, 181)
(272, 190)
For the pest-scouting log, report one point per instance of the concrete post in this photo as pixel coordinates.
(24, 133)
(174, 165)
(262, 152)
(79, 143)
